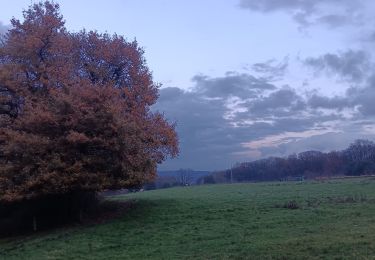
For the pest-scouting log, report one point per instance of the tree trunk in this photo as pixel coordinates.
(80, 216)
(35, 227)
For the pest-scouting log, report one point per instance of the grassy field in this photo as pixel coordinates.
(319, 220)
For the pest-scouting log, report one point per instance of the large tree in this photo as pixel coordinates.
(75, 111)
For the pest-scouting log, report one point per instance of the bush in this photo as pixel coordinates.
(292, 204)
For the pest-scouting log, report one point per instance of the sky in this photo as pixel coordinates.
(246, 79)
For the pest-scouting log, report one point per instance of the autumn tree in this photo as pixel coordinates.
(75, 111)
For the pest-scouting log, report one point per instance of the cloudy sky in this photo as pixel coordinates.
(247, 79)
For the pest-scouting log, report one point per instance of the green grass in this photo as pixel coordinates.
(334, 220)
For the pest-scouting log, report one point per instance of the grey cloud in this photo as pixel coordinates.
(334, 20)
(355, 67)
(307, 12)
(318, 101)
(364, 98)
(203, 131)
(271, 69)
(275, 5)
(351, 65)
(170, 94)
(368, 37)
(233, 84)
(282, 102)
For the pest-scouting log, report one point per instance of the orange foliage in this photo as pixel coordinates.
(75, 111)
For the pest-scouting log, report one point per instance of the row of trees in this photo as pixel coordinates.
(181, 177)
(75, 112)
(357, 159)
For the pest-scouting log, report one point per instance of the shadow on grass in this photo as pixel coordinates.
(14, 227)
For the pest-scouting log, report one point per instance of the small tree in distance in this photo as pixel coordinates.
(75, 111)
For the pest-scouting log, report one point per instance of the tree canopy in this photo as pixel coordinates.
(75, 110)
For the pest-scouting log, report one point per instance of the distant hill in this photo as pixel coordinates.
(193, 175)
(181, 177)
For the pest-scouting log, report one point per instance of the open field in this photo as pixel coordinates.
(331, 219)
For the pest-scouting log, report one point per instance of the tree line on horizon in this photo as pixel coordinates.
(356, 160)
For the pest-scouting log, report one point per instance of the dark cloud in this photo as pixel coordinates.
(337, 102)
(363, 98)
(350, 65)
(275, 5)
(356, 67)
(203, 131)
(333, 13)
(281, 102)
(334, 20)
(271, 69)
(233, 84)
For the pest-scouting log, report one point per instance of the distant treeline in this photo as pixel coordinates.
(358, 159)
(181, 177)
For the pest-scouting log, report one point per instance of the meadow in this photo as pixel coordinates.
(331, 219)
